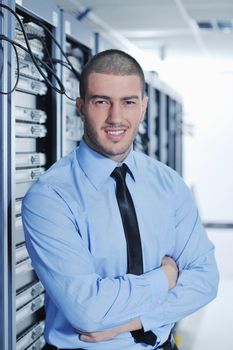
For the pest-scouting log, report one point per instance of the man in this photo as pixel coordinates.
(77, 219)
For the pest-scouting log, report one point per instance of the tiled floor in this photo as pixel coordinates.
(212, 327)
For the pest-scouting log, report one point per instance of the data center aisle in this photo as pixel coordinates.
(211, 328)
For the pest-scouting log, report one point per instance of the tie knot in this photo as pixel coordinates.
(119, 173)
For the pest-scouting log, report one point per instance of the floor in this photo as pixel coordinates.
(211, 328)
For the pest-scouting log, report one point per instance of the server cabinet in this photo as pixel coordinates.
(166, 125)
(152, 122)
(179, 138)
(142, 139)
(163, 129)
(171, 127)
(174, 130)
(5, 256)
(30, 143)
(157, 124)
(75, 40)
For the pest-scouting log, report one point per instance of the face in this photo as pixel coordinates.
(112, 111)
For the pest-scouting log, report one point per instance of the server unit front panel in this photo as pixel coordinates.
(141, 142)
(31, 142)
(78, 54)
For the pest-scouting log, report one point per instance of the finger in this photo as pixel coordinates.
(84, 337)
(87, 338)
(84, 333)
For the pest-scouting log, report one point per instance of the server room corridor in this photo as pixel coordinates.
(185, 50)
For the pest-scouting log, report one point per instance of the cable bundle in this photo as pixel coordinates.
(38, 62)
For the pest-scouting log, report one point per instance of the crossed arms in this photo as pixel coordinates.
(170, 269)
(92, 304)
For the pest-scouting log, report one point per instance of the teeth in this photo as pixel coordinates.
(117, 132)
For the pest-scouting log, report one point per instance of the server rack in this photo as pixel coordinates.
(157, 124)
(78, 52)
(142, 139)
(5, 257)
(166, 125)
(179, 138)
(162, 130)
(152, 121)
(171, 126)
(174, 133)
(29, 145)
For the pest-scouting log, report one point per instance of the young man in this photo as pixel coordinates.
(114, 235)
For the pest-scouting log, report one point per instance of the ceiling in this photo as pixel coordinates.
(165, 28)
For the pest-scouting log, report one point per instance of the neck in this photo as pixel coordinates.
(118, 158)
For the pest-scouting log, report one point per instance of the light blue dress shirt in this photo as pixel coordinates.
(75, 238)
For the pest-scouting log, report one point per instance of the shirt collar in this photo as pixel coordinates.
(98, 168)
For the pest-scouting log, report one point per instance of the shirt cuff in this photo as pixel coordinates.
(159, 286)
(153, 319)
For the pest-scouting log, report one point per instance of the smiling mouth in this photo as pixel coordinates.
(115, 134)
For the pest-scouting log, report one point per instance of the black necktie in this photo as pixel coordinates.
(132, 235)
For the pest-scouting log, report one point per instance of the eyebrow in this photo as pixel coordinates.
(100, 96)
(133, 97)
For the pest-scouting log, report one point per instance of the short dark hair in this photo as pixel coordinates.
(111, 61)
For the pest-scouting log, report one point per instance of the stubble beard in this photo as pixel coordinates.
(92, 139)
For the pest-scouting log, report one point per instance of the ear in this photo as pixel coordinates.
(80, 107)
(144, 107)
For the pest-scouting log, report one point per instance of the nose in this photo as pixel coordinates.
(114, 113)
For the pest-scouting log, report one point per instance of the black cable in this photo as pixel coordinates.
(43, 42)
(34, 58)
(77, 74)
(50, 69)
(71, 70)
(62, 90)
(16, 44)
(53, 61)
(70, 98)
(58, 45)
(3, 38)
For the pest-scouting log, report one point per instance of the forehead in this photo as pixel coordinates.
(102, 83)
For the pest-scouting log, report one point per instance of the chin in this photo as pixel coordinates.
(116, 151)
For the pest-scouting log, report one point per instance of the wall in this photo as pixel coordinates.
(207, 90)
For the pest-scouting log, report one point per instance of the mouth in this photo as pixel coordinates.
(115, 134)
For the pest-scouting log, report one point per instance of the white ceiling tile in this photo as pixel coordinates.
(152, 23)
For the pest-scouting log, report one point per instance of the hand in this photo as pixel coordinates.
(170, 269)
(95, 337)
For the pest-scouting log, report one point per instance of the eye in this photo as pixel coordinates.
(130, 102)
(101, 102)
